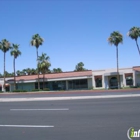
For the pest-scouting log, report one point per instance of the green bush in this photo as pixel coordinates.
(23, 91)
(46, 89)
(36, 89)
(133, 87)
(19, 90)
(16, 90)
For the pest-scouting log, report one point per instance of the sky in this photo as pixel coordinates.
(73, 31)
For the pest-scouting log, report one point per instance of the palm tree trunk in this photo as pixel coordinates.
(43, 80)
(37, 69)
(117, 68)
(137, 46)
(4, 74)
(14, 74)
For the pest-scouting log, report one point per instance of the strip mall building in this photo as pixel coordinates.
(97, 79)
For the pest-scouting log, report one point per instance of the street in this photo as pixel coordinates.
(90, 119)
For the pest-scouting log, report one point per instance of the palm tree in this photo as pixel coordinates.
(43, 65)
(24, 72)
(4, 47)
(15, 52)
(57, 70)
(80, 67)
(116, 38)
(33, 71)
(18, 72)
(6, 74)
(134, 33)
(1, 75)
(28, 71)
(37, 41)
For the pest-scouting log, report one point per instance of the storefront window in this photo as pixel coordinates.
(78, 84)
(113, 82)
(129, 81)
(59, 85)
(98, 82)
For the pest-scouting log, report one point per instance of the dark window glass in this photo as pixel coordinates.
(83, 83)
(129, 81)
(98, 82)
(59, 85)
(78, 84)
(70, 84)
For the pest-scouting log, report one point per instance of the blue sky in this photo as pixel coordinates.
(73, 30)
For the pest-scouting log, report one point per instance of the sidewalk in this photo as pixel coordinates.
(75, 91)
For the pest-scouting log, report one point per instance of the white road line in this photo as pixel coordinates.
(67, 98)
(61, 109)
(37, 126)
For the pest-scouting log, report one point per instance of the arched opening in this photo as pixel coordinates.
(129, 81)
(98, 82)
(7, 87)
(113, 82)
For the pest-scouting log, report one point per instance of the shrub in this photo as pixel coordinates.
(23, 91)
(36, 89)
(133, 86)
(19, 90)
(46, 89)
(16, 90)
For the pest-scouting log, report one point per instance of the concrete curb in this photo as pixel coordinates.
(72, 91)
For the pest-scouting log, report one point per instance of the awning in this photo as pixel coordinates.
(7, 85)
(113, 73)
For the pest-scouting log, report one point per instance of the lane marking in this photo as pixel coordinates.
(37, 126)
(61, 109)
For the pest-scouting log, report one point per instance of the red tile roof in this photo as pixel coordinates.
(137, 68)
(55, 75)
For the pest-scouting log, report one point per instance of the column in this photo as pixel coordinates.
(134, 78)
(2, 87)
(124, 80)
(106, 82)
(93, 82)
(67, 85)
(103, 81)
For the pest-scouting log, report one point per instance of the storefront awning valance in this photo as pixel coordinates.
(113, 73)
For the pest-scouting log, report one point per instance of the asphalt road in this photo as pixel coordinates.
(96, 119)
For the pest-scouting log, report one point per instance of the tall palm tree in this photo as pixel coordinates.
(115, 39)
(43, 65)
(134, 33)
(37, 41)
(4, 47)
(15, 52)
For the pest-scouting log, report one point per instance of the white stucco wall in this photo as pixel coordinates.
(105, 79)
(138, 79)
(90, 83)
